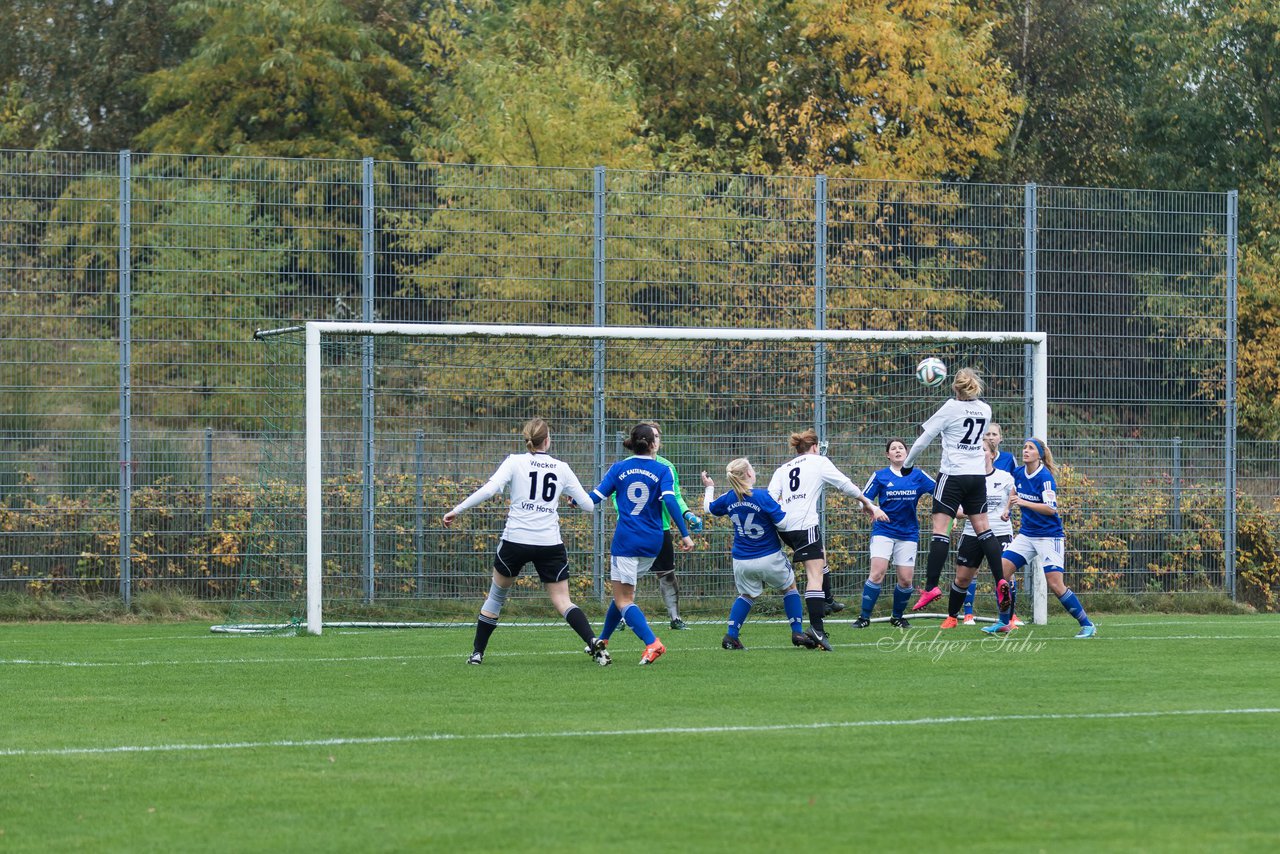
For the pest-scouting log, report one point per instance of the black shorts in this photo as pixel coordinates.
(805, 544)
(960, 490)
(552, 562)
(665, 562)
(969, 553)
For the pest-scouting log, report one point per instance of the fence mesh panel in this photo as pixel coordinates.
(1131, 286)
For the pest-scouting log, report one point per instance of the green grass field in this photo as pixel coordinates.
(1162, 734)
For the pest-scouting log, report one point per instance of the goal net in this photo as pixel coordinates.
(373, 431)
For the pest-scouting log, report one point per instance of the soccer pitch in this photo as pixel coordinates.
(1160, 734)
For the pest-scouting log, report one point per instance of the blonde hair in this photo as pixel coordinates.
(967, 385)
(802, 442)
(535, 433)
(1046, 453)
(736, 471)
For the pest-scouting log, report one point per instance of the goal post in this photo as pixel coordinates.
(721, 393)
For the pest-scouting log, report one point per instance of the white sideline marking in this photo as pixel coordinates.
(717, 730)
(921, 638)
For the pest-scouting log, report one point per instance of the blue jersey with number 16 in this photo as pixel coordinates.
(755, 522)
(641, 486)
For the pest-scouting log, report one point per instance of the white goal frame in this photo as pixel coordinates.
(317, 329)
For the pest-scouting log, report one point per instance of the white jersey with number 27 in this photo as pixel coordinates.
(961, 424)
(535, 482)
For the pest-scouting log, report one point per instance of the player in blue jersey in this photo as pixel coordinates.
(758, 561)
(534, 483)
(664, 568)
(898, 538)
(642, 487)
(1000, 461)
(1040, 534)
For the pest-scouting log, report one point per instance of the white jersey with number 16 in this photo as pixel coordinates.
(535, 482)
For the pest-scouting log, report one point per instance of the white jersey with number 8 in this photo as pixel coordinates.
(798, 485)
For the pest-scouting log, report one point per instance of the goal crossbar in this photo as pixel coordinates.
(315, 331)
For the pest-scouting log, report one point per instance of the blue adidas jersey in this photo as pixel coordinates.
(1004, 462)
(755, 522)
(641, 486)
(1039, 488)
(899, 496)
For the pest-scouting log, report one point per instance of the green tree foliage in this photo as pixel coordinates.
(559, 111)
(1209, 112)
(838, 86)
(299, 78)
(897, 90)
(69, 69)
(1079, 68)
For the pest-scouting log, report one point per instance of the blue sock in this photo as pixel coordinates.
(901, 595)
(1074, 608)
(870, 593)
(612, 616)
(638, 624)
(968, 597)
(738, 615)
(793, 606)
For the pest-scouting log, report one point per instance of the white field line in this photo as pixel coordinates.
(918, 642)
(716, 730)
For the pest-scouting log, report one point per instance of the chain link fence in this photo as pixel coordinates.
(133, 391)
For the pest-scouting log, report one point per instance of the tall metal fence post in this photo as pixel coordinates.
(125, 262)
(1177, 486)
(1029, 261)
(208, 478)
(1229, 521)
(597, 371)
(366, 376)
(820, 304)
(420, 510)
(820, 322)
(1032, 579)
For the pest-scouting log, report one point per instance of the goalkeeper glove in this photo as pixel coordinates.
(906, 470)
(694, 523)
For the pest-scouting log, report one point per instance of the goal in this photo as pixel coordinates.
(373, 430)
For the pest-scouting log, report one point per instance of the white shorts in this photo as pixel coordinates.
(627, 569)
(897, 552)
(753, 575)
(1023, 548)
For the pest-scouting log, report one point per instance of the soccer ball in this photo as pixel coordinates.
(931, 371)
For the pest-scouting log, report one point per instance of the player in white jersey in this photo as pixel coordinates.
(797, 486)
(962, 476)
(999, 460)
(1000, 501)
(534, 481)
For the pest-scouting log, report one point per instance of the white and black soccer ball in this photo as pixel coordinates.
(931, 371)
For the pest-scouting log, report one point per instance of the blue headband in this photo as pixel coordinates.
(1039, 445)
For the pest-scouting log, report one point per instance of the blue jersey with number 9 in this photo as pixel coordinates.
(640, 486)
